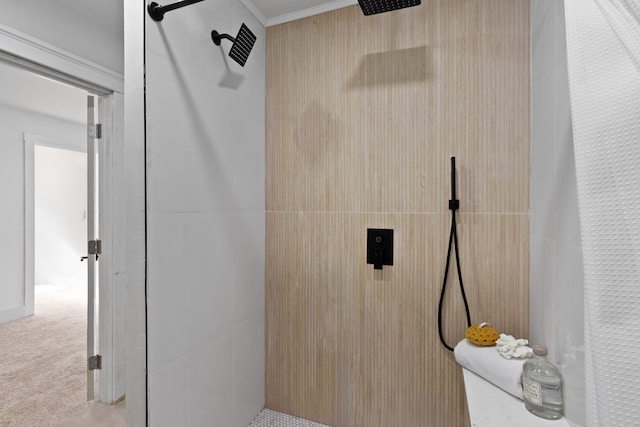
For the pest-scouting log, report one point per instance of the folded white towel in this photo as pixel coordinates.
(486, 362)
(509, 347)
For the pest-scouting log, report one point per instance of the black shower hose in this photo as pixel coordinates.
(453, 239)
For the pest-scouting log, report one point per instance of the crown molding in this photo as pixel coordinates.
(29, 50)
(311, 11)
(299, 14)
(255, 11)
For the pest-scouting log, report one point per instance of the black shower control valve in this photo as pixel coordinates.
(379, 247)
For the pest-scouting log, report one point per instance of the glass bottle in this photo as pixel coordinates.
(542, 385)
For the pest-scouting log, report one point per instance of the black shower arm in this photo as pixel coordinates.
(217, 37)
(157, 12)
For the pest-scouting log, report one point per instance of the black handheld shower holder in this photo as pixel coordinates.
(454, 204)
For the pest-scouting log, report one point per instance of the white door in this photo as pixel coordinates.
(93, 247)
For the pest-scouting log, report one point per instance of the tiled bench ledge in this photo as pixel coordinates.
(489, 406)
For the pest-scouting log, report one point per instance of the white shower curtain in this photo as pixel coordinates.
(603, 49)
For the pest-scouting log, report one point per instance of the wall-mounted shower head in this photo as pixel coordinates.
(371, 7)
(242, 44)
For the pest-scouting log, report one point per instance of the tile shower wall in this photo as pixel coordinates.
(557, 310)
(363, 114)
(205, 174)
(135, 204)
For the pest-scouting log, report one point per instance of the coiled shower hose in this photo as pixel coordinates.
(454, 204)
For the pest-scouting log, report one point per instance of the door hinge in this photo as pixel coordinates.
(95, 131)
(95, 247)
(94, 362)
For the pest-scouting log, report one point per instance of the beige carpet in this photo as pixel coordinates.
(43, 360)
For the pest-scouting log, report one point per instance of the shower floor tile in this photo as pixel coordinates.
(269, 418)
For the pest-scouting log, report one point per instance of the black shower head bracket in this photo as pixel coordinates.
(217, 37)
(454, 203)
(242, 43)
(157, 12)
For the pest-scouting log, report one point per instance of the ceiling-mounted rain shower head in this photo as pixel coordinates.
(371, 7)
(242, 44)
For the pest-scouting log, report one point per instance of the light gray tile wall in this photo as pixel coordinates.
(556, 307)
(205, 174)
(134, 157)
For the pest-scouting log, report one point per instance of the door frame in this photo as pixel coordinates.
(109, 391)
(40, 57)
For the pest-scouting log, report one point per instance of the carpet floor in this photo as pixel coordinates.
(43, 360)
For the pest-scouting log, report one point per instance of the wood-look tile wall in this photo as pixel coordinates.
(363, 115)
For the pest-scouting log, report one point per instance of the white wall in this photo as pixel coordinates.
(60, 188)
(205, 171)
(135, 205)
(91, 29)
(13, 123)
(557, 306)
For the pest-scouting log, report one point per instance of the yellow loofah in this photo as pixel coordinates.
(483, 334)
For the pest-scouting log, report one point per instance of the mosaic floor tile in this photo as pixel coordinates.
(269, 418)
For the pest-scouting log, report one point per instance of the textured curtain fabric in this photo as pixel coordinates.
(623, 17)
(603, 50)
